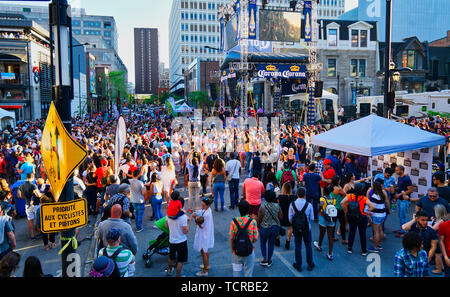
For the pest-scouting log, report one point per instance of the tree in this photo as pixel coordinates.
(164, 97)
(153, 99)
(200, 98)
(117, 85)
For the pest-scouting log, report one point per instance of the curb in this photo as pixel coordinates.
(92, 250)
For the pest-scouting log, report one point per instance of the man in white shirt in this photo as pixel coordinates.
(233, 168)
(178, 229)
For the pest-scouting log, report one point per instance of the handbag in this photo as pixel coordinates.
(230, 176)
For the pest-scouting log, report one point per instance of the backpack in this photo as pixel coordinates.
(354, 211)
(287, 177)
(330, 211)
(300, 224)
(107, 210)
(243, 247)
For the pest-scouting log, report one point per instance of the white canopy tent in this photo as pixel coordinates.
(325, 95)
(7, 118)
(375, 136)
(183, 108)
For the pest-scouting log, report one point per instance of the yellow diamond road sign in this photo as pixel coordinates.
(61, 154)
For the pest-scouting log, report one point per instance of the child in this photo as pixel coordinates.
(174, 210)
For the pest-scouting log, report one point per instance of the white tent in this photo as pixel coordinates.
(325, 95)
(7, 118)
(375, 136)
(183, 108)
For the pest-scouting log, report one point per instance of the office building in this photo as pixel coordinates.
(194, 33)
(146, 60)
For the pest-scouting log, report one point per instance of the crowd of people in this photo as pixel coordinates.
(281, 196)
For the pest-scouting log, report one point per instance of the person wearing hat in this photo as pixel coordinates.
(122, 198)
(104, 267)
(123, 257)
(318, 162)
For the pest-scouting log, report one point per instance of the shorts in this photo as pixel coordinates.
(378, 220)
(30, 210)
(325, 223)
(178, 252)
(254, 209)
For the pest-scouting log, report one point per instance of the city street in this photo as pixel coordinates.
(343, 265)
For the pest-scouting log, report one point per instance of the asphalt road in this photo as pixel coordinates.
(343, 265)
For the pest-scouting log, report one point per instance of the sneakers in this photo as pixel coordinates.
(168, 272)
(269, 263)
(372, 250)
(330, 257)
(349, 251)
(364, 253)
(201, 274)
(139, 230)
(263, 263)
(316, 245)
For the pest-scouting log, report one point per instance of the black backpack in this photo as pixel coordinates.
(300, 224)
(243, 247)
(107, 210)
(354, 211)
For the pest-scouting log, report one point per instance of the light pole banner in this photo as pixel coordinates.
(222, 35)
(252, 9)
(238, 21)
(307, 11)
(119, 144)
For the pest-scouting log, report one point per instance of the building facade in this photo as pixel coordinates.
(427, 20)
(146, 60)
(329, 9)
(25, 81)
(194, 33)
(200, 76)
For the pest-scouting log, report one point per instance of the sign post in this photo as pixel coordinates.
(60, 25)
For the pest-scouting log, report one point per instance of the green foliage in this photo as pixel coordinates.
(441, 114)
(154, 99)
(200, 98)
(117, 84)
(164, 97)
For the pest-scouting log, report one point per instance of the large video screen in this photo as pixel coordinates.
(230, 33)
(281, 26)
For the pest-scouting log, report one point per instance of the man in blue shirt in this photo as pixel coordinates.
(388, 181)
(428, 202)
(7, 238)
(411, 261)
(27, 167)
(335, 162)
(311, 183)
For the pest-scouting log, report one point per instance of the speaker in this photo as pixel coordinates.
(318, 90)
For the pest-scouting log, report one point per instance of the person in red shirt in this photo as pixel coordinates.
(2, 166)
(444, 241)
(100, 173)
(252, 191)
(327, 175)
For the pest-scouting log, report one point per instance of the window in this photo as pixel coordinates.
(75, 23)
(358, 67)
(331, 67)
(108, 33)
(332, 37)
(362, 68)
(363, 40)
(107, 25)
(76, 32)
(355, 37)
(86, 24)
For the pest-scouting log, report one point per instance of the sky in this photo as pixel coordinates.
(132, 14)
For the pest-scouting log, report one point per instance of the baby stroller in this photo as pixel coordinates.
(160, 245)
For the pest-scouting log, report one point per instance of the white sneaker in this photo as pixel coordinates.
(201, 274)
(316, 245)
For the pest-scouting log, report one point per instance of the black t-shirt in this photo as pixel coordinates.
(210, 161)
(427, 234)
(427, 205)
(27, 190)
(444, 192)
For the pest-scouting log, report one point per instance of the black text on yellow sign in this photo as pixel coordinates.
(57, 217)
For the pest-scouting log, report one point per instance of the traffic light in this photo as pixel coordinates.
(118, 101)
(391, 100)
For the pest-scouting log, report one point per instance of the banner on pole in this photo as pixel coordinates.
(252, 25)
(307, 11)
(119, 144)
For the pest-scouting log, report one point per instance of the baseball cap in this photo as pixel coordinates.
(327, 162)
(113, 235)
(124, 188)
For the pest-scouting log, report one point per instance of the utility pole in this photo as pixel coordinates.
(387, 59)
(62, 94)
